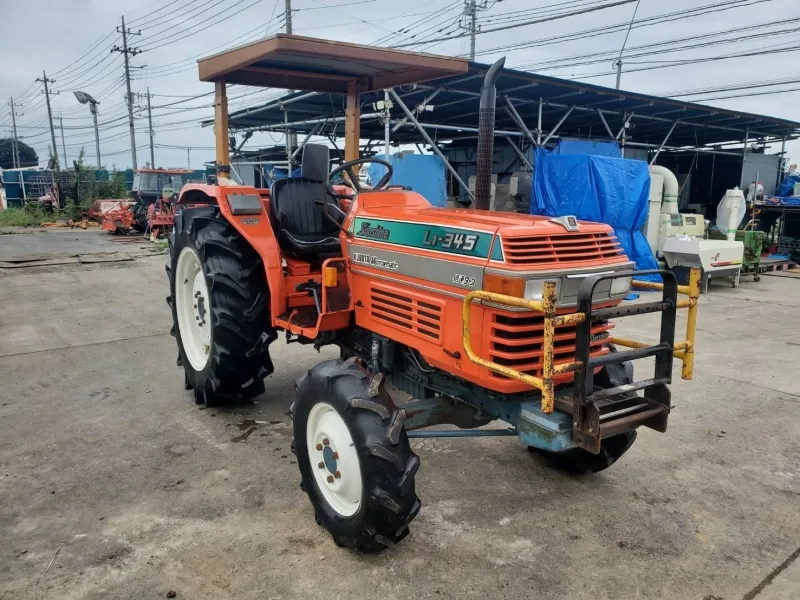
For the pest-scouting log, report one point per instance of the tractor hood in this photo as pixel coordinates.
(399, 232)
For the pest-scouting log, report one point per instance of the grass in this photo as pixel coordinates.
(33, 215)
(19, 217)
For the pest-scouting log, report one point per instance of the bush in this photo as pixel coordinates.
(20, 217)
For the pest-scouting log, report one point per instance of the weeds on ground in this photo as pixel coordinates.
(19, 217)
(33, 215)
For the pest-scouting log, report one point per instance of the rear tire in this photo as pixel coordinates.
(220, 308)
(355, 461)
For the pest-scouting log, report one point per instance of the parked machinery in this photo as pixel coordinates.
(681, 239)
(148, 188)
(480, 316)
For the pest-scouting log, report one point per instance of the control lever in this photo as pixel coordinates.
(331, 218)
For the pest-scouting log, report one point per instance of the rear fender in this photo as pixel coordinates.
(255, 228)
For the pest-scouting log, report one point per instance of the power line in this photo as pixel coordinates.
(534, 22)
(407, 28)
(617, 27)
(658, 48)
(212, 22)
(769, 93)
(618, 62)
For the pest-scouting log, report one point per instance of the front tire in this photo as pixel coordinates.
(578, 461)
(220, 308)
(355, 461)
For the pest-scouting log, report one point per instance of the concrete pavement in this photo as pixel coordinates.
(114, 485)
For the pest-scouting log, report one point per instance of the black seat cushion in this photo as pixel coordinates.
(299, 222)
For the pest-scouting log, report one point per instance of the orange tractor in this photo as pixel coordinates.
(479, 316)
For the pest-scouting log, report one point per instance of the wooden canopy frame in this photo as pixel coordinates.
(315, 65)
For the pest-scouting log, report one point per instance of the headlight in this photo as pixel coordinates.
(534, 289)
(621, 285)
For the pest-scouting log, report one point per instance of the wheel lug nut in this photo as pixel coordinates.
(326, 442)
(330, 478)
(319, 447)
(335, 455)
(321, 465)
(338, 475)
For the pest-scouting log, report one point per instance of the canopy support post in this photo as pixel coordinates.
(352, 122)
(223, 151)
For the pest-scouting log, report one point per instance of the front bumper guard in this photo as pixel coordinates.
(596, 412)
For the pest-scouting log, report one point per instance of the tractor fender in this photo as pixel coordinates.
(255, 228)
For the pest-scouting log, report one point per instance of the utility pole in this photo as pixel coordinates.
(189, 158)
(618, 64)
(150, 125)
(288, 16)
(93, 109)
(45, 81)
(127, 52)
(14, 143)
(471, 12)
(471, 8)
(63, 145)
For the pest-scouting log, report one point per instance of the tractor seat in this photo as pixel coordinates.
(298, 221)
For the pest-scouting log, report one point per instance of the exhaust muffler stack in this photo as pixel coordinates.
(483, 174)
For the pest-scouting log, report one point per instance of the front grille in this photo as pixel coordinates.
(563, 248)
(406, 311)
(515, 341)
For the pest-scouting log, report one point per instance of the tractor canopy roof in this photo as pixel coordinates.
(304, 63)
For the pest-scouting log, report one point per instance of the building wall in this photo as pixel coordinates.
(764, 168)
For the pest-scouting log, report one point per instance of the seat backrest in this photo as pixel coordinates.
(293, 201)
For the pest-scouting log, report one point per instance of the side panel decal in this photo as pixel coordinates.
(438, 238)
(469, 277)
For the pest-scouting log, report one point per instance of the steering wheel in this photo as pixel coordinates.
(347, 167)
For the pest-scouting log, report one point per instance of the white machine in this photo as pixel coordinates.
(670, 226)
(684, 245)
(680, 238)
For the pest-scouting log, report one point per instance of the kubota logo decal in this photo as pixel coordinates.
(374, 261)
(379, 233)
(250, 221)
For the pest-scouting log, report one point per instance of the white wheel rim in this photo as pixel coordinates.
(193, 308)
(334, 460)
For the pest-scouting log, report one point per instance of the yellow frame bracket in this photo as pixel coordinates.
(684, 351)
(546, 306)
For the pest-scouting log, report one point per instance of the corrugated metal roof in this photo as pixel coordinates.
(456, 105)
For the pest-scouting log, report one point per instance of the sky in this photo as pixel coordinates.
(74, 38)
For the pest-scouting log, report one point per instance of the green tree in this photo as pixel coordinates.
(27, 155)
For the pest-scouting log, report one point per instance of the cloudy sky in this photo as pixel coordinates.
(72, 39)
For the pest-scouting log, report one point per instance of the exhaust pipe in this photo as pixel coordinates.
(483, 174)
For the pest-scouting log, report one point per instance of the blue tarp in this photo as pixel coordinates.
(422, 173)
(272, 174)
(786, 188)
(574, 146)
(597, 188)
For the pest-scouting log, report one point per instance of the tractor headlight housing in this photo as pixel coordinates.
(534, 289)
(621, 285)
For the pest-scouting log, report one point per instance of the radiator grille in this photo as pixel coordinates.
(561, 249)
(406, 311)
(516, 341)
